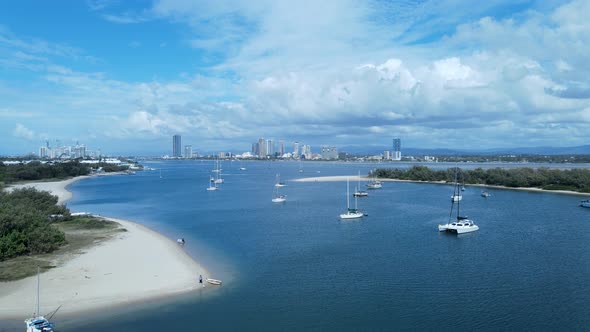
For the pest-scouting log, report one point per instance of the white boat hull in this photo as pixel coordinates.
(456, 198)
(214, 281)
(211, 188)
(351, 215)
(280, 185)
(279, 199)
(585, 204)
(458, 228)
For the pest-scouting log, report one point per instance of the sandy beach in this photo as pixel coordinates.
(135, 265)
(361, 178)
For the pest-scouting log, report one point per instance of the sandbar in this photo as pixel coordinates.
(135, 265)
(340, 178)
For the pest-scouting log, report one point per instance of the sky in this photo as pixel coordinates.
(124, 76)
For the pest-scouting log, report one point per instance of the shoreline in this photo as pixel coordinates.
(57, 188)
(361, 178)
(133, 266)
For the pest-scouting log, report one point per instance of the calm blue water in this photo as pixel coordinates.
(297, 266)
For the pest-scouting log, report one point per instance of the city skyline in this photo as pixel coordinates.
(126, 76)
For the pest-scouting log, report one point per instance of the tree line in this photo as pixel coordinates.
(545, 178)
(36, 170)
(26, 217)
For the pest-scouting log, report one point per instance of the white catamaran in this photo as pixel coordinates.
(350, 213)
(38, 323)
(462, 224)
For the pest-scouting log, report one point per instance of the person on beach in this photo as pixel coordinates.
(201, 280)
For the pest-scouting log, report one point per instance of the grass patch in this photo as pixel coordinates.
(22, 267)
(87, 223)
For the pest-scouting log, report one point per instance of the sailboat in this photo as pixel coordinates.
(278, 198)
(278, 183)
(358, 192)
(350, 213)
(212, 184)
(160, 174)
(462, 224)
(217, 171)
(300, 169)
(38, 323)
(374, 183)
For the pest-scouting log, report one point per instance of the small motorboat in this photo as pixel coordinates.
(214, 281)
(180, 241)
(585, 203)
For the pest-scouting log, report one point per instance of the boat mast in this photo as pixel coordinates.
(37, 304)
(347, 195)
(458, 191)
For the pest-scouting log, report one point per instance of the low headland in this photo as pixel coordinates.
(101, 262)
(572, 181)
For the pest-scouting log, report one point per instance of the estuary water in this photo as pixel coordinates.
(297, 266)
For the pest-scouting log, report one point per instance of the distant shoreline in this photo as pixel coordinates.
(362, 178)
(118, 271)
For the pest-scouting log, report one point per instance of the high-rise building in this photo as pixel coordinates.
(270, 151)
(281, 147)
(329, 152)
(306, 151)
(188, 151)
(255, 149)
(176, 146)
(397, 149)
(44, 152)
(386, 155)
(261, 148)
(296, 150)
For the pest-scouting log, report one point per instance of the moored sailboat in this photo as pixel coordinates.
(350, 213)
(462, 224)
(38, 323)
(358, 192)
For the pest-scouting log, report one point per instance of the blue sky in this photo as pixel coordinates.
(124, 76)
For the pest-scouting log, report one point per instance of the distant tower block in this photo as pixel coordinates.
(397, 149)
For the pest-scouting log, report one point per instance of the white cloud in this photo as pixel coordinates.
(21, 131)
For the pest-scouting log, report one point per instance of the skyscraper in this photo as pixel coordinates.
(188, 151)
(261, 148)
(296, 150)
(176, 146)
(270, 151)
(397, 149)
(281, 148)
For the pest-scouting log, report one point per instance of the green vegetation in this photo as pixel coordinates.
(35, 232)
(35, 170)
(549, 179)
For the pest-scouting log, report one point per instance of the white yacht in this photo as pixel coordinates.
(38, 323)
(278, 198)
(485, 194)
(585, 203)
(456, 197)
(374, 183)
(461, 224)
(212, 184)
(278, 182)
(358, 192)
(350, 213)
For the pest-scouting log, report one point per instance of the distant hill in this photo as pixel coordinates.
(540, 150)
